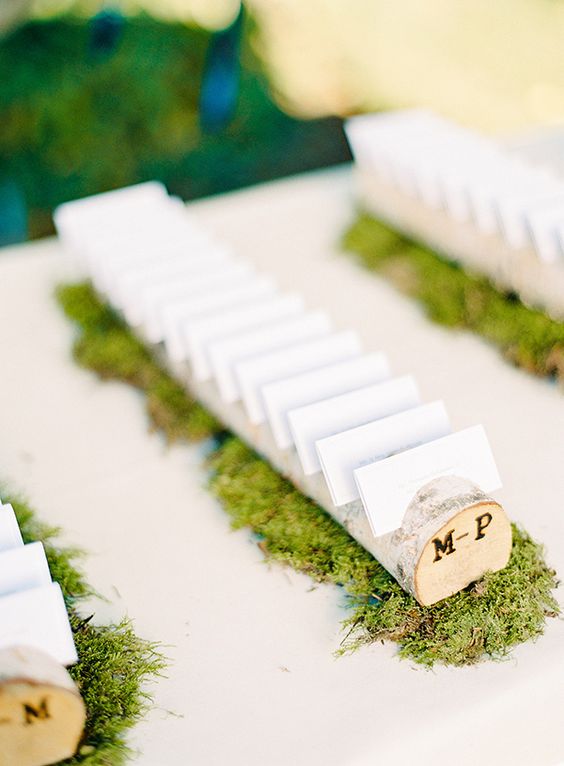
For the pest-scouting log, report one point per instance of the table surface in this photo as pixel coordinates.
(253, 678)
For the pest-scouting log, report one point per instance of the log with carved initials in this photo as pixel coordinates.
(451, 535)
(42, 714)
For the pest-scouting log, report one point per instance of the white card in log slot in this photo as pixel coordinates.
(252, 374)
(107, 263)
(38, 618)
(543, 224)
(513, 207)
(126, 291)
(125, 280)
(10, 535)
(342, 454)
(498, 177)
(284, 395)
(331, 416)
(111, 232)
(163, 304)
(225, 353)
(200, 332)
(238, 293)
(23, 568)
(149, 192)
(387, 487)
(71, 218)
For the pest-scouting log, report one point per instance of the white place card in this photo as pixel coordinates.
(331, 416)
(115, 257)
(199, 333)
(284, 395)
(163, 305)
(495, 178)
(225, 353)
(543, 224)
(252, 374)
(10, 535)
(388, 486)
(38, 618)
(134, 223)
(150, 192)
(128, 285)
(72, 217)
(23, 568)
(214, 299)
(513, 207)
(341, 454)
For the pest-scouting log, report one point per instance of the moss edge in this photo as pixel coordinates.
(453, 297)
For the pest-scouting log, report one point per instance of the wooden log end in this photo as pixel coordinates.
(42, 714)
(472, 539)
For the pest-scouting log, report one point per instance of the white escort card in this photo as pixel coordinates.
(513, 207)
(341, 454)
(112, 255)
(10, 535)
(214, 299)
(331, 416)
(23, 568)
(199, 333)
(543, 225)
(284, 395)
(163, 304)
(77, 219)
(388, 486)
(225, 353)
(38, 618)
(252, 374)
(128, 284)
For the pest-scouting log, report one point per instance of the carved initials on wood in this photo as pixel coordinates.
(32, 713)
(446, 546)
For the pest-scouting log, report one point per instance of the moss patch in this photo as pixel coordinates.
(108, 347)
(114, 663)
(486, 619)
(455, 298)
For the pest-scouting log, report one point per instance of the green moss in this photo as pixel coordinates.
(106, 346)
(453, 297)
(114, 663)
(486, 619)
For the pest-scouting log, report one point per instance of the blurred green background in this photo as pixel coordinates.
(88, 105)
(95, 94)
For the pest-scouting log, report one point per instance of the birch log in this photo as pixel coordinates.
(42, 714)
(452, 532)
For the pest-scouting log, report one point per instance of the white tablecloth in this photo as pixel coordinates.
(253, 679)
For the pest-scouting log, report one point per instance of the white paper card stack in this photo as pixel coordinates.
(32, 608)
(328, 406)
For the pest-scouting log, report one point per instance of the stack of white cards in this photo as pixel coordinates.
(469, 176)
(304, 393)
(32, 608)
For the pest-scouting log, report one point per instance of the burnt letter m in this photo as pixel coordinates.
(32, 712)
(445, 546)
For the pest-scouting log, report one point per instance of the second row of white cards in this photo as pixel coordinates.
(468, 175)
